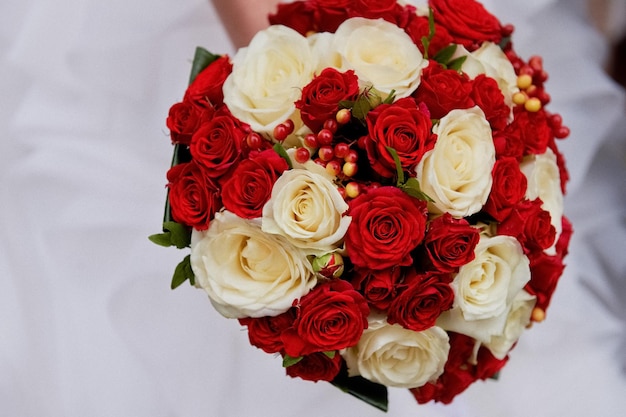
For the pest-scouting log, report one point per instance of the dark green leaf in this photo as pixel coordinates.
(372, 393)
(331, 354)
(182, 273)
(431, 32)
(174, 234)
(495, 376)
(361, 107)
(290, 361)
(457, 63)
(444, 55)
(412, 188)
(202, 59)
(396, 159)
(280, 150)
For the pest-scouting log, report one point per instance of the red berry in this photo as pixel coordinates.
(352, 156)
(342, 192)
(536, 63)
(289, 125)
(350, 169)
(326, 153)
(281, 132)
(507, 30)
(343, 116)
(319, 162)
(331, 125)
(353, 189)
(302, 155)
(333, 167)
(254, 140)
(525, 69)
(310, 140)
(562, 132)
(555, 120)
(341, 150)
(325, 137)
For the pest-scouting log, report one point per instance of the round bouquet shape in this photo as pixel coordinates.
(375, 191)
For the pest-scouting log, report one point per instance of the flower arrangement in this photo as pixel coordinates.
(374, 190)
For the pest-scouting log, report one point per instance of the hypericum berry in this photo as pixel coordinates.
(281, 131)
(350, 169)
(353, 189)
(319, 162)
(325, 137)
(526, 69)
(310, 140)
(290, 126)
(254, 140)
(333, 167)
(326, 153)
(536, 63)
(561, 132)
(342, 192)
(533, 105)
(341, 150)
(519, 98)
(331, 125)
(343, 116)
(352, 156)
(524, 81)
(302, 155)
(555, 120)
(538, 315)
(507, 30)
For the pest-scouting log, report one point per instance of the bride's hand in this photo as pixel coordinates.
(243, 18)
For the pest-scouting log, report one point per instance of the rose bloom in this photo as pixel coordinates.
(307, 210)
(530, 225)
(508, 188)
(267, 78)
(193, 197)
(456, 174)
(248, 188)
(397, 357)
(378, 287)
(531, 129)
(387, 224)
(449, 243)
(316, 367)
(402, 126)
(485, 288)
(546, 270)
(184, 119)
(206, 89)
(330, 317)
(487, 95)
(381, 54)
(418, 27)
(264, 332)
(491, 61)
(544, 182)
(516, 322)
(246, 272)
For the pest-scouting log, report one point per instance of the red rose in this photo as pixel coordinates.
(249, 187)
(378, 287)
(206, 89)
(330, 317)
(560, 162)
(386, 226)
(508, 188)
(193, 197)
(329, 14)
(487, 95)
(562, 245)
(449, 243)
(402, 126)
(418, 27)
(216, 145)
(389, 10)
(545, 271)
(469, 23)
(443, 90)
(316, 367)
(184, 119)
(508, 144)
(422, 300)
(321, 97)
(298, 15)
(532, 129)
(264, 332)
(529, 224)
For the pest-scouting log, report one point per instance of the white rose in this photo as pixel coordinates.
(456, 173)
(491, 61)
(485, 288)
(397, 357)
(307, 209)
(267, 78)
(381, 54)
(246, 272)
(321, 44)
(544, 182)
(517, 320)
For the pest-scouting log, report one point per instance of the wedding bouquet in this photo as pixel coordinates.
(374, 190)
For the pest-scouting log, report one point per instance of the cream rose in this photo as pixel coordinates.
(381, 54)
(397, 357)
(516, 321)
(267, 78)
(491, 61)
(485, 288)
(307, 209)
(246, 272)
(456, 173)
(544, 182)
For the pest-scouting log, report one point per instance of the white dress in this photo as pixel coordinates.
(88, 324)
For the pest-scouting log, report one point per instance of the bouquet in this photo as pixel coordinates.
(375, 191)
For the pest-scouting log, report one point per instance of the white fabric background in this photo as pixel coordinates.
(88, 325)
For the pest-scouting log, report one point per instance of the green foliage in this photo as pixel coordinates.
(410, 186)
(174, 234)
(183, 272)
(202, 59)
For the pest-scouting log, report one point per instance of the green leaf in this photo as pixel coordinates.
(183, 272)
(444, 55)
(495, 376)
(431, 32)
(330, 354)
(290, 361)
(457, 64)
(412, 188)
(280, 150)
(361, 107)
(372, 393)
(399, 170)
(174, 234)
(390, 98)
(201, 59)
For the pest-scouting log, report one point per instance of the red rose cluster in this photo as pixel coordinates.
(404, 254)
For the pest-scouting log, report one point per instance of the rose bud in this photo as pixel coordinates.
(329, 265)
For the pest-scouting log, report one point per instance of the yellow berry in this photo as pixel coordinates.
(524, 81)
(533, 105)
(519, 98)
(538, 315)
